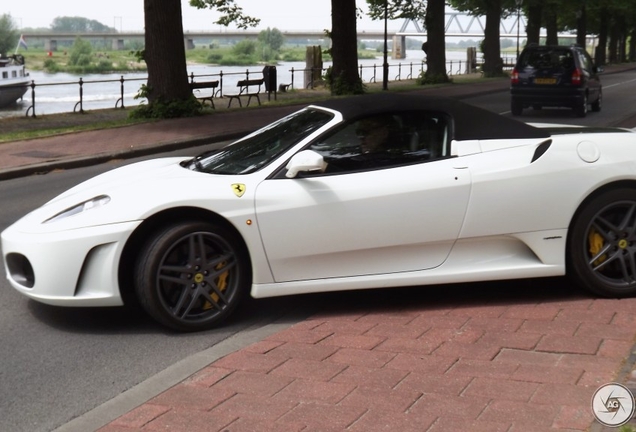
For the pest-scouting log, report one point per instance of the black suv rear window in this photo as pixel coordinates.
(547, 59)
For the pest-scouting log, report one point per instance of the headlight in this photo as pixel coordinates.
(91, 204)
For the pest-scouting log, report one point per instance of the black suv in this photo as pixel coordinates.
(554, 75)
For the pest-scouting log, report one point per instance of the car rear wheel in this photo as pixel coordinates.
(602, 245)
(598, 104)
(190, 276)
(516, 108)
(581, 109)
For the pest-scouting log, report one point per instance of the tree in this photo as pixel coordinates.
(494, 10)
(231, 13)
(431, 12)
(533, 10)
(272, 38)
(436, 55)
(344, 49)
(8, 35)
(79, 25)
(167, 88)
(80, 53)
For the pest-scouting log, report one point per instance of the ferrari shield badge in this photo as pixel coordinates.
(239, 189)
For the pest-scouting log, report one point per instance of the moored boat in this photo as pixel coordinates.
(14, 79)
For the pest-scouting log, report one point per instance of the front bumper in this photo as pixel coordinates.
(69, 268)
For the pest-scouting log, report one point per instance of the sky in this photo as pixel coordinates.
(128, 15)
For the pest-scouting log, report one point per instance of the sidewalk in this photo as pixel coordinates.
(473, 357)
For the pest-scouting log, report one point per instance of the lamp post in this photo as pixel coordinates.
(519, 3)
(385, 65)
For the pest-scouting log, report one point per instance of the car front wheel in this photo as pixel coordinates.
(191, 276)
(602, 245)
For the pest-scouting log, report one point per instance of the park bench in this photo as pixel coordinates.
(244, 91)
(205, 85)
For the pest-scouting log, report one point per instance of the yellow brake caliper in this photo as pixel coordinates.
(221, 283)
(596, 244)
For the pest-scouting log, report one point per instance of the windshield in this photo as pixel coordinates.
(259, 149)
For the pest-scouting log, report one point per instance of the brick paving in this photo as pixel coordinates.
(473, 358)
(471, 362)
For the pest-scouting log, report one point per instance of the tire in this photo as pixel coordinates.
(602, 245)
(598, 104)
(516, 108)
(581, 109)
(192, 275)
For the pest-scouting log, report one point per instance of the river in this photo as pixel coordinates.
(59, 92)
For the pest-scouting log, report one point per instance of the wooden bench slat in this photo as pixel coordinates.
(205, 85)
(244, 86)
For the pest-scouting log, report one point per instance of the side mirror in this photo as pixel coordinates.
(305, 161)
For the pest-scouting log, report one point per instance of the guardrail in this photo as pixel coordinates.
(453, 67)
(368, 73)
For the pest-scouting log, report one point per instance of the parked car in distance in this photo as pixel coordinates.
(555, 76)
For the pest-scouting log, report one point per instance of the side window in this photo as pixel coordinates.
(586, 61)
(384, 141)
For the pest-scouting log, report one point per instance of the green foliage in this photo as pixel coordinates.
(423, 79)
(230, 13)
(397, 9)
(81, 53)
(8, 35)
(161, 109)
(272, 38)
(51, 66)
(246, 47)
(340, 87)
(215, 58)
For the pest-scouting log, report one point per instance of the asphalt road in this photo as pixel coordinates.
(60, 363)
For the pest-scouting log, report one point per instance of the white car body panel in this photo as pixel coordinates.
(328, 225)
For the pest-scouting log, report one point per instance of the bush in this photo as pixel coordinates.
(215, 58)
(81, 53)
(245, 47)
(51, 66)
(172, 109)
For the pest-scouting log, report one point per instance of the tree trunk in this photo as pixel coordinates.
(533, 28)
(165, 51)
(600, 54)
(344, 48)
(551, 26)
(493, 65)
(436, 47)
(613, 42)
(632, 45)
(581, 27)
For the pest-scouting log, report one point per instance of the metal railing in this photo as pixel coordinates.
(399, 71)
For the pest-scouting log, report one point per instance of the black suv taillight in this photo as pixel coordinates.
(577, 77)
(514, 76)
